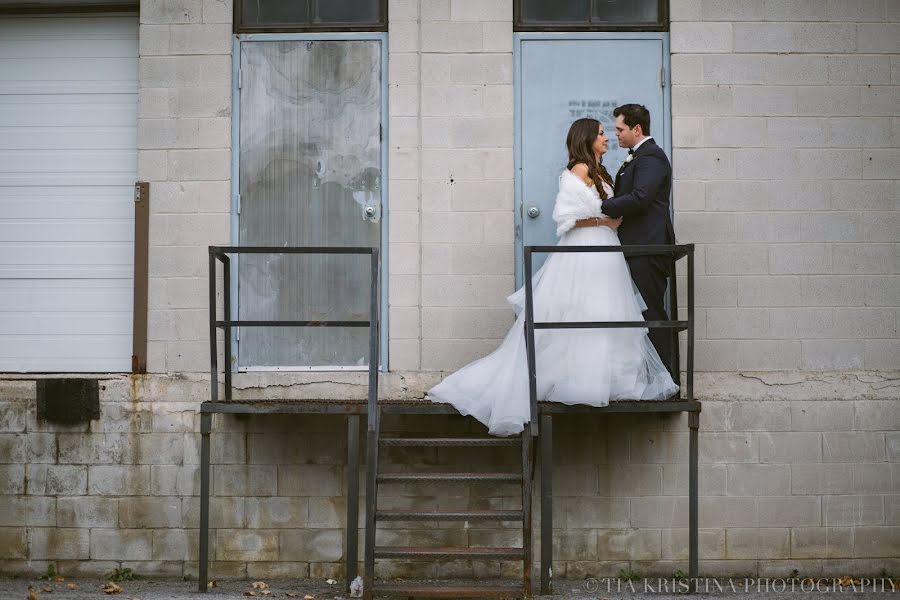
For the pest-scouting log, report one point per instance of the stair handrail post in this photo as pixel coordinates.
(529, 342)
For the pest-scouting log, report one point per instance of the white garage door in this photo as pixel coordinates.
(68, 162)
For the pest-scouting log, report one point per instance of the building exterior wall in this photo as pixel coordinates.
(785, 156)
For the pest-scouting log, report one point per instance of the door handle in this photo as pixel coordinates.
(533, 212)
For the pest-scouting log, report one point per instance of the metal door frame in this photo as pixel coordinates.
(236, 173)
(520, 37)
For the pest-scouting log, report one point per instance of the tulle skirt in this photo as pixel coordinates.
(574, 366)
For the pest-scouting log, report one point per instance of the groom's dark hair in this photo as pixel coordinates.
(634, 115)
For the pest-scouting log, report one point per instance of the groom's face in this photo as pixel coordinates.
(626, 135)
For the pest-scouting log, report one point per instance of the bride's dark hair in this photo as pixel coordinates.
(580, 142)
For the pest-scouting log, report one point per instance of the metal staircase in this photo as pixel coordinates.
(471, 589)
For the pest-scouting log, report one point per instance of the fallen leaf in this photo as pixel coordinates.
(330, 581)
(265, 592)
(47, 589)
(259, 585)
(32, 595)
(308, 597)
(290, 594)
(111, 588)
(59, 578)
(249, 593)
(211, 584)
(71, 586)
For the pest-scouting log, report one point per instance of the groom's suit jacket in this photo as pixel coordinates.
(642, 191)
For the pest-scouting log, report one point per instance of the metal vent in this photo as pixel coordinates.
(68, 400)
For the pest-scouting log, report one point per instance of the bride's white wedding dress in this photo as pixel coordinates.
(574, 366)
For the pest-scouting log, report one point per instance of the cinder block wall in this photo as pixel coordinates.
(786, 133)
(785, 154)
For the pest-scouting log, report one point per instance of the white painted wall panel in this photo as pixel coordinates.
(68, 162)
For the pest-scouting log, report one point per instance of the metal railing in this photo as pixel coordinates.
(674, 252)
(221, 254)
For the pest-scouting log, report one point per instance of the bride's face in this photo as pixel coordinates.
(601, 142)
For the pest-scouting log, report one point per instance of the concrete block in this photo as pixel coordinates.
(759, 480)
(790, 447)
(481, 10)
(498, 100)
(830, 227)
(12, 479)
(171, 11)
(118, 480)
(862, 195)
(200, 38)
(438, 36)
(821, 542)
(878, 100)
(800, 259)
(731, 10)
(737, 259)
(729, 447)
(435, 10)
(199, 165)
(247, 545)
(780, 291)
(403, 36)
(739, 323)
(689, 195)
(876, 415)
(815, 479)
(485, 132)
(13, 543)
(832, 291)
(687, 69)
(314, 545)
(824, 415)
(881, 164)
(33, 511)
(403, 10)
(865, 323)
(705, 227)
(453, 228)
(791, 511)
(229, 513)
(737, 132)
(404, 163)
(829, 101)
(56, 543)
(13, 416)
(703, 38)
(497, 36)
(876, 542)
(882, 354)
(175, 544)
(148, 512)
(13, 447)
(819, 38)
(698, 163)
(768, 543)
(277, 513)
(800, 195)
(702, 100)
(404, 290)
(881, 291)
(804, 323)
(66, 480)
(687, 132)
(765, 100)
(590, 512)
(466, 323)
(861, 132)
(770, 227)
(216, 11)
(859, 70)
(154, 40)
(466, 290)
(448, 355)
(847, 511)
(875, 38)
(726, 69)
(850, 447)
(795, 132)
(864, 258)
(863, 10)
(310, 480)
(86, 512)
(711, 544)
(482, 196)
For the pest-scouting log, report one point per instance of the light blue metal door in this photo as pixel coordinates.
(561, 78)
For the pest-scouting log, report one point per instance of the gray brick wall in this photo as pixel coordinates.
(786, 159)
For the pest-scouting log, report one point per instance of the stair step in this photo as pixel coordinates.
(425, 552)
(420, 477)
(448, 441)
(446, 515)
(436, 590)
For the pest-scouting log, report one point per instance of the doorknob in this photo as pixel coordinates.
(533, 212)
(370, 211)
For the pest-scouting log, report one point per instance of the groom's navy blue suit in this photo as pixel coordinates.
(642, 191)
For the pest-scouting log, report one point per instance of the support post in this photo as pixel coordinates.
(352, 498)
(546, 503)
(203, 567)
(527, 481)
(693, 513)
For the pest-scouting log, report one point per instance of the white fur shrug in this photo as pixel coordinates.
(574, 201)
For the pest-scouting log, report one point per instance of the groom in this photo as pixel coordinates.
(642, 189)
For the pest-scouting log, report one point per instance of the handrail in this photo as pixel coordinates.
(673, 251)
(222, 254)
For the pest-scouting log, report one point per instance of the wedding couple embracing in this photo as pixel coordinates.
(587, 366)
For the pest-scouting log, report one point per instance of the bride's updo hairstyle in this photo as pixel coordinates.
(580, 142)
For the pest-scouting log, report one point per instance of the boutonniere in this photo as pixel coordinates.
(629, 158)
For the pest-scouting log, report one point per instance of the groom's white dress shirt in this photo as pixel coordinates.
(638, 145)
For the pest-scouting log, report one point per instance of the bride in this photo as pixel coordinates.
(574, 366)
